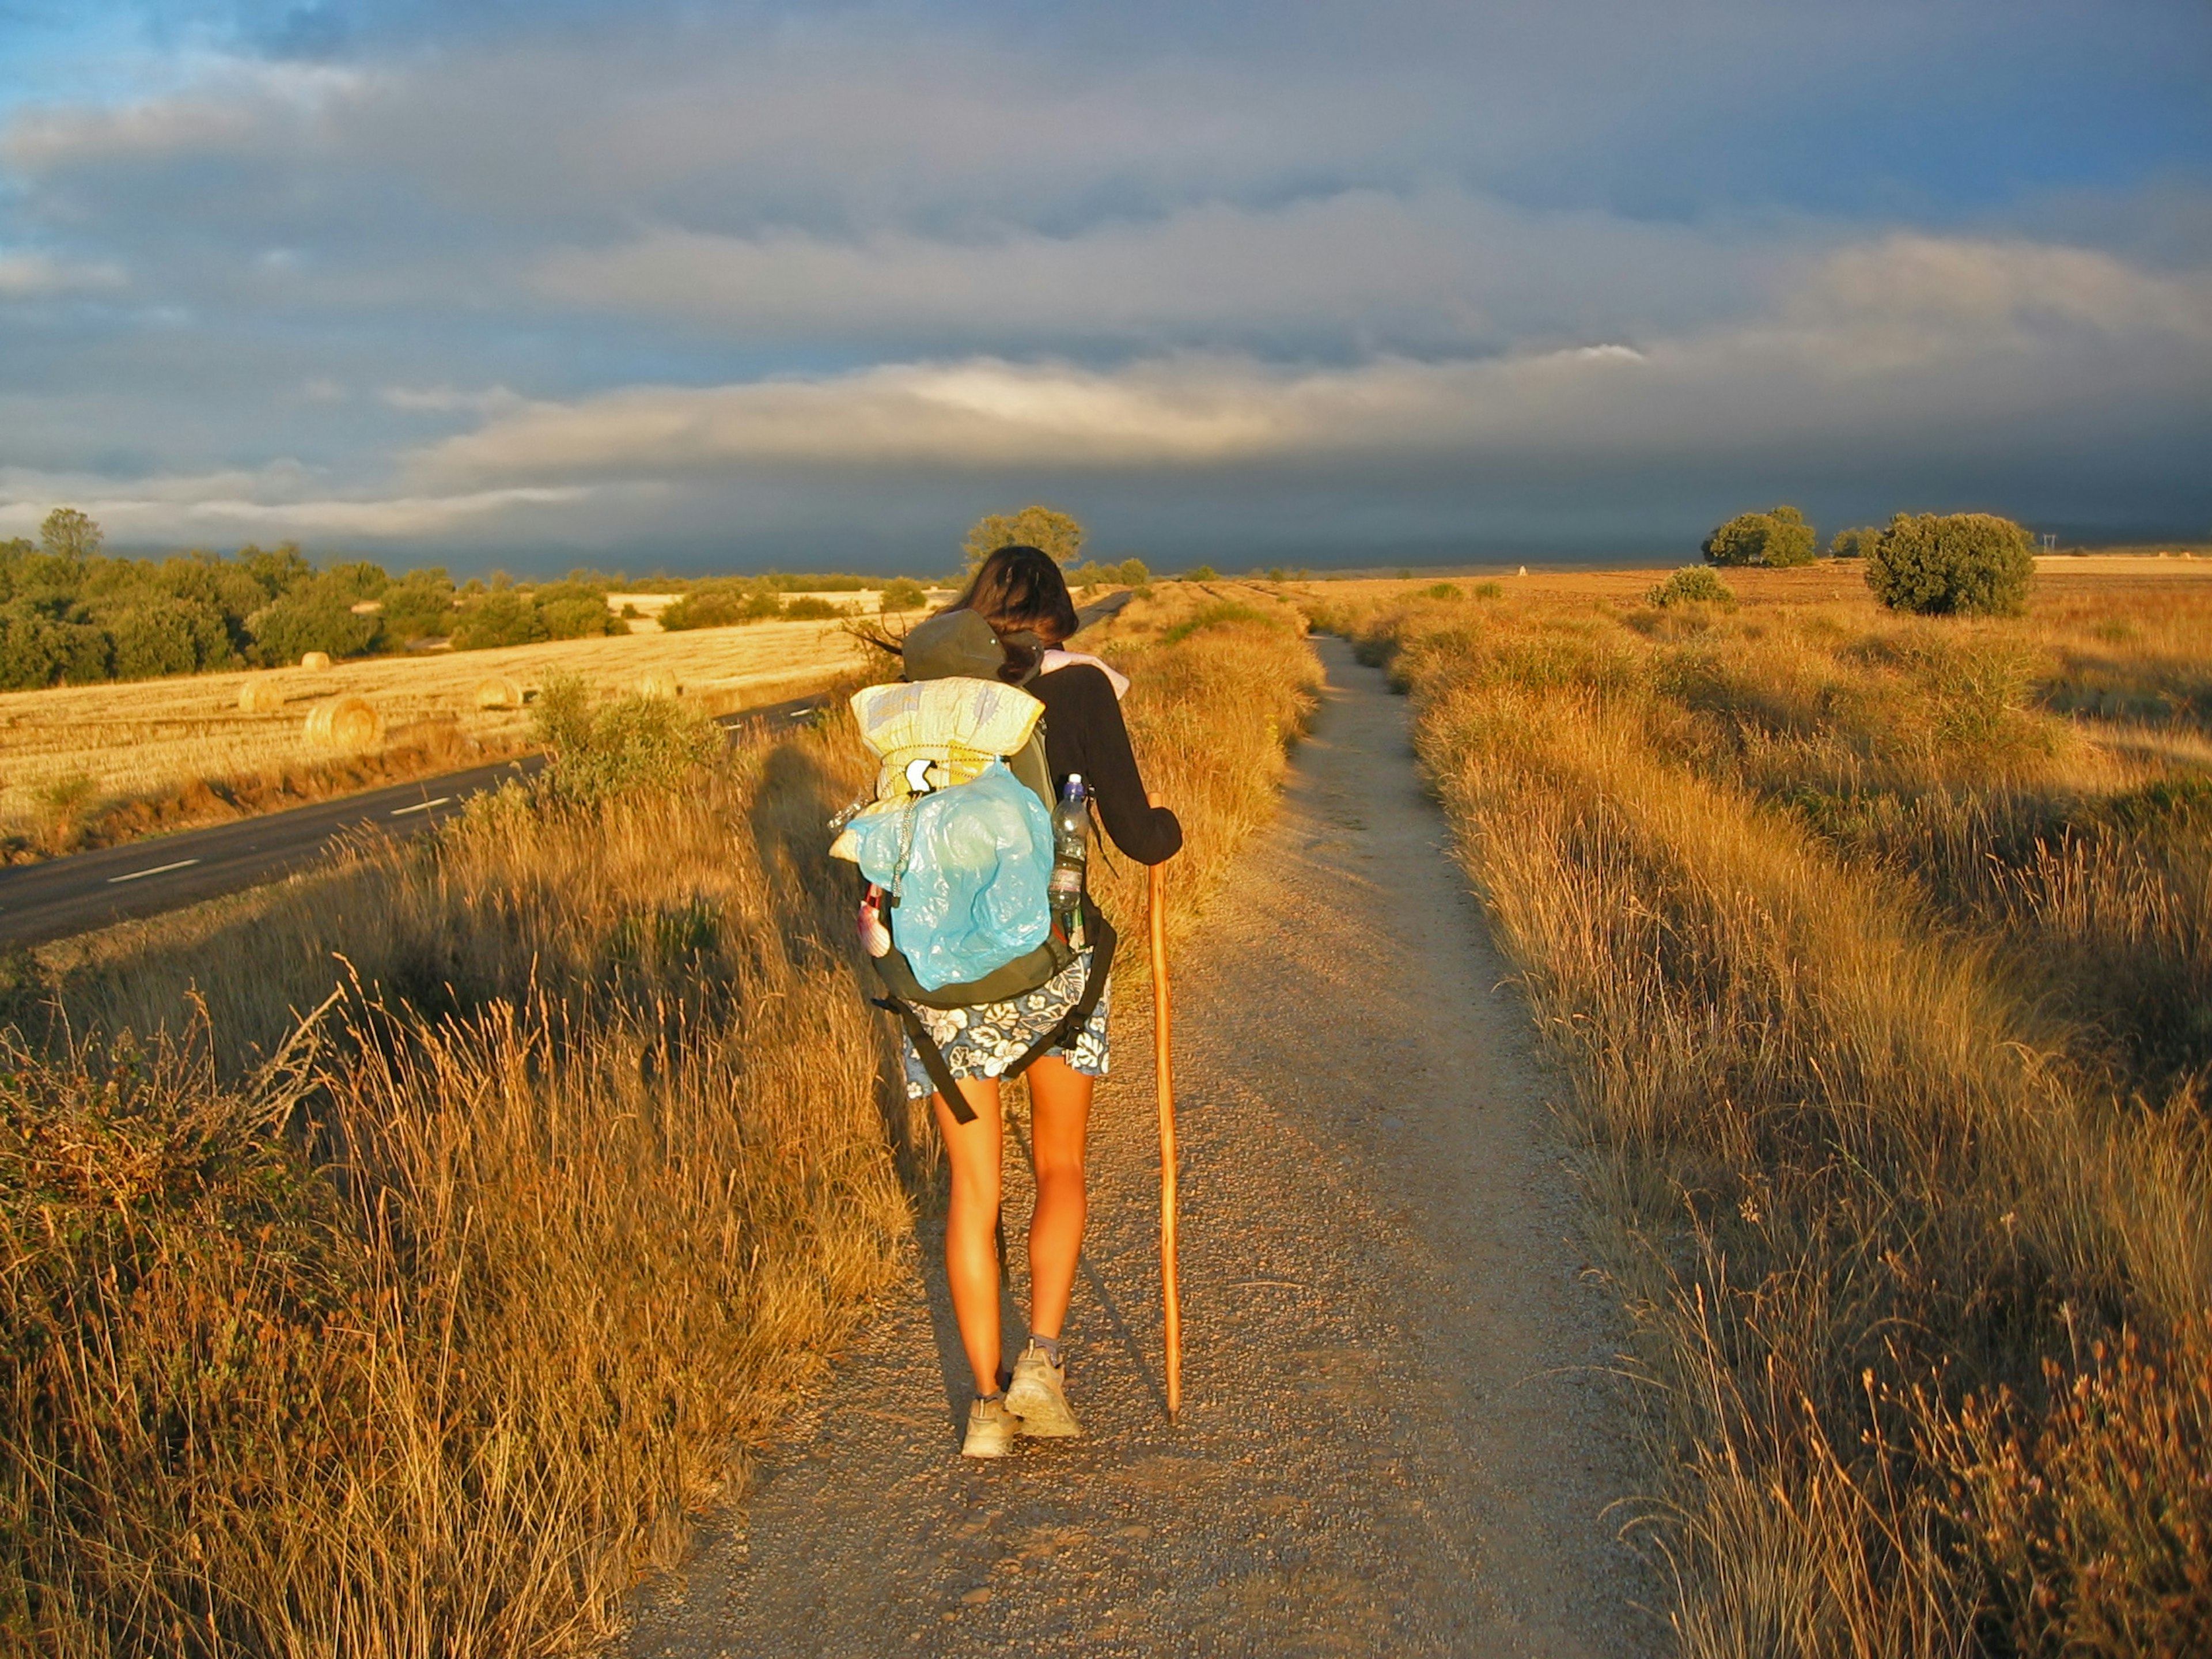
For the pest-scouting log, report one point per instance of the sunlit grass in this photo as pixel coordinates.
(1880, 951)
(426, 1333)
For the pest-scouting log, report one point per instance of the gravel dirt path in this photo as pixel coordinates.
(1400, 1433)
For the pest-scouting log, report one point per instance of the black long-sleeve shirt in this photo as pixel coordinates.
(1084, 732)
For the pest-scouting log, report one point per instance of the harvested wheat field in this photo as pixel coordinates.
(144, 736)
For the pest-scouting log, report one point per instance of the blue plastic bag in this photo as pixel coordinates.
(969, 866)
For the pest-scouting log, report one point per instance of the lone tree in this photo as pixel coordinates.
(69, 534)
(1045, 528)
(1951, 564)
(1776, 538)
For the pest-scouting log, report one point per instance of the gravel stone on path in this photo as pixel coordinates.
(1402, 1428)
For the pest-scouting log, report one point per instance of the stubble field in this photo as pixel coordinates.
(68, 755)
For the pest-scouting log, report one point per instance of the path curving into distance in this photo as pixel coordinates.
(1400, 1430)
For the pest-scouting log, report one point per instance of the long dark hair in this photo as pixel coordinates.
(1020, 592)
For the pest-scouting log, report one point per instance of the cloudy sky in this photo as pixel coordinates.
(698, 285)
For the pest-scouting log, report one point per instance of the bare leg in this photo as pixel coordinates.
(1060, 1118)
(971, 1226)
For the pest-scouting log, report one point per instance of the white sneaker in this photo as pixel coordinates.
(1039, 1396)
(991, 1428)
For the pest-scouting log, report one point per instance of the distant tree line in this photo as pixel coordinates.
(71, 615)
(1931, 563)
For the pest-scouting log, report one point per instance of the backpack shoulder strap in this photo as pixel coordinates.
(1078, 1014)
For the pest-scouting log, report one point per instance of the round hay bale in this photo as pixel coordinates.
(345, 723)
(260, 694)
(498, 692)
(316, 660)
(659, 683)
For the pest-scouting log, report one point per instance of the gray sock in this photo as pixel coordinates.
(1049, 1344)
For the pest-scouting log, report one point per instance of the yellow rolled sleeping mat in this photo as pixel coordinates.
(932, 734)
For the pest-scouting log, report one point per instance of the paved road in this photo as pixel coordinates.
(76, 895)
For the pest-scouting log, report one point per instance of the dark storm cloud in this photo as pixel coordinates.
(499, 274)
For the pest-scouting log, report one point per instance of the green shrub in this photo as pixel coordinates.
(1441, 590)
(155, 637)
(807, 608)
(1203, 573)
(1127, 573)
(277, 570)
(1854, 544)
(1047, 529)
(719, 605)
(501, 618)
(1775, 539)
(1218, 616)
(300, 622)
(358, 579)
(577, 619)
(901, 594)
(816, 581)
(1951, 564)
(418, 606)
(38, 649)
(1489, 590)
(575, 616)
(596, 751)
(1691, 583)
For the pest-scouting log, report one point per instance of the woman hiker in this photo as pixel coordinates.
(1020, 592)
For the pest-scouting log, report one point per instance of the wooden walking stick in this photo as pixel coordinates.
(1163, 1073)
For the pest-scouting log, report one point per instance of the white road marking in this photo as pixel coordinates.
(420, 806)
(158, 870)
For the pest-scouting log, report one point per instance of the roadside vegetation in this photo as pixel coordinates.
(1880, 950)
(1221, 686)
(88, 766)
(421, 1324)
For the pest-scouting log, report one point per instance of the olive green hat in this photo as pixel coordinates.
(958, 642)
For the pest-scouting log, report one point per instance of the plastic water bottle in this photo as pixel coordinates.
(1070, 850)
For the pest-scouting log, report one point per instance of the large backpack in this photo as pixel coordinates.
(953, 742)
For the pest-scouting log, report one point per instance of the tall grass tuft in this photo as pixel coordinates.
(589, 1175)
(1220, 689)
(1876, 984)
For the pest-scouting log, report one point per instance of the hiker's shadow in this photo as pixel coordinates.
(814, 898)
(812, 892)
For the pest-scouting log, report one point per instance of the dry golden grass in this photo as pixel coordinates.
(1213, 713)
(425, 1341)
(149, 736)
(434, 1360)
(1881, 959)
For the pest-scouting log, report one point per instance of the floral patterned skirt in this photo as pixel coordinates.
(983, 1041)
